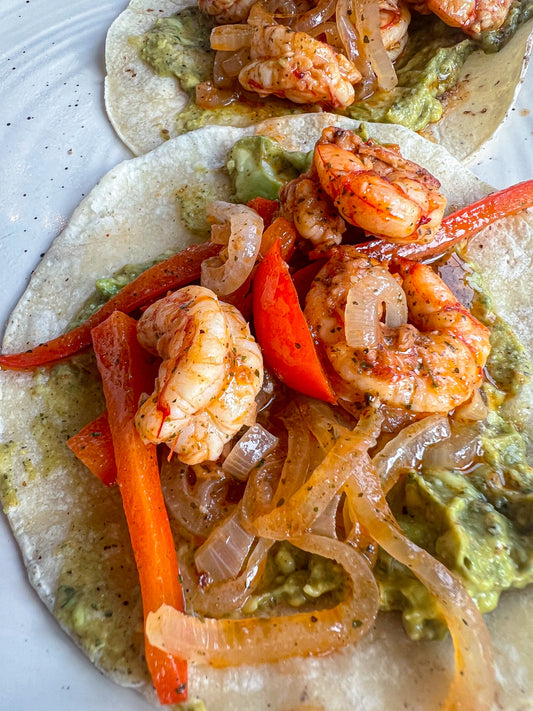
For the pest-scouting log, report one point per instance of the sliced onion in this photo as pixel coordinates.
(261, 486)
(297, 513)
(198, 508)
(326, 523)
(248, 451)
(291, 474)
(221, 78)
(364, 308)
(377, 54)
(268, 390)
(348, 32)
(306, 21)
(221, 598)
(260, 16)
(230, 38)
(349, 21)
(231, 642)
(298, 459)
(331, 33)
(224, 552)
(233, 63)
(460, 451)
(210, 97)
(473, 684)
(241, 229)
(408, 447)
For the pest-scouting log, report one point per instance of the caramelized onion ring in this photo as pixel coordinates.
(240, 228)
(231, 642)
(408, 447)
(473, 684)
(314, 17)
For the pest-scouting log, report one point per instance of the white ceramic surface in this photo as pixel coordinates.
(55, 144)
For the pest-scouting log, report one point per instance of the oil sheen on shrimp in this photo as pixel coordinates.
(211, 372)
(428, 355)
(472, 16)
(295, 66)
(375, 188)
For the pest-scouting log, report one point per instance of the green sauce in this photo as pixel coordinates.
(426, 71)
(296, 578)
(259, 166)
(179, 46)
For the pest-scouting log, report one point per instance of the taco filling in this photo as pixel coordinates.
(304, 415)
(394, 62)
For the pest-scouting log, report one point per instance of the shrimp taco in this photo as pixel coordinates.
(450, 70)
(274, 458)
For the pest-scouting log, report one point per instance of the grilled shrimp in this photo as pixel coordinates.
(432, 364)
(375, 188)
(226, 10)
(313, 214)
(295, 66)
(472, 16)
(395, 18)
(212, 370)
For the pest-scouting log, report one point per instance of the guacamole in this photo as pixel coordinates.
(259, 166)
(179, 46)
(108, 286)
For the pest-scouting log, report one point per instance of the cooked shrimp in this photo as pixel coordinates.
(226, 10)
(295, 66)
(375, 188)
(313, 214)
(472, 16)
(212, 370)
(394, 18)
(432, 364)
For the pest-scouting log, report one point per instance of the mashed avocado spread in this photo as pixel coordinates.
(429, 67)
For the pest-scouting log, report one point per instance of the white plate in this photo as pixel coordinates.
(55, 144)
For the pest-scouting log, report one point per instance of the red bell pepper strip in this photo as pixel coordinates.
(304, 277)
(126, 374)
(284, 231)
(459, 225)
(172, 273)
(265, 208)
(93, 446)
(282, 331)
(280, 229)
